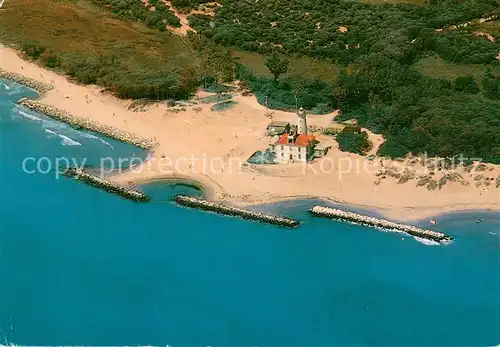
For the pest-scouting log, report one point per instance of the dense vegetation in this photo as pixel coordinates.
(353, 140)
(134, 9)
(289, 93)
(417, 113)
(93, 46)
(313, 28)
(376, 47)
(188, 4)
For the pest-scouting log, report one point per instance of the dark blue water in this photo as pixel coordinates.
(83, 267)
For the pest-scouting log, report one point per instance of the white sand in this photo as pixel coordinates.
(229, 138)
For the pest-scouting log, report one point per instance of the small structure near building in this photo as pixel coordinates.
(320, 150)
(278, 128)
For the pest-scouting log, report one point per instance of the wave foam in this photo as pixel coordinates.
(426, 241)
(90, 136)
(68, 141)
(28, 115)
(45, 122)
(13, 89)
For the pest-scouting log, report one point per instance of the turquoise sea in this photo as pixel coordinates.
(79, 266)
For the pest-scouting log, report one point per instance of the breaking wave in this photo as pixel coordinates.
(426, 241)
(65, 140)
(28, 115)
(90, 136)
(12, 89)
(68, 141)
(49, 125)
(45, 122)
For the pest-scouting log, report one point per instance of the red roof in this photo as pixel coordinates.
(301, 140)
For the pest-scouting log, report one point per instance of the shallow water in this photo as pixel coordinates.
(81, 266)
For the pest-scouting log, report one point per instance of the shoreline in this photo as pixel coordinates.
(372, 211)
(33, 84)
(235, 134)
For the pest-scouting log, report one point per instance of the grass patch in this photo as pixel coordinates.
(216, 98)
(433, 66)
(306, 66)
(79, 26)
(221, 106)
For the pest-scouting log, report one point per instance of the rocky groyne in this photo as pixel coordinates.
(379, 223)
(40, 87)
(190, 201)
(108, 186)
(84, 123)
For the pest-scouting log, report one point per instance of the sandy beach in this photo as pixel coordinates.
(196, 144)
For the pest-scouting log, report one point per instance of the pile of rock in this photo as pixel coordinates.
(108, 186)
(234, 211)
(88, 124)
(40, 87)
(378, 223)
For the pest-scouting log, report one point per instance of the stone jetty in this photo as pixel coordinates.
(84, 123)
(40, 87)
(379, 223)
(234, 211)
(108, 186)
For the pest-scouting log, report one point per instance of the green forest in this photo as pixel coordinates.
(376, 48)
(376, 51)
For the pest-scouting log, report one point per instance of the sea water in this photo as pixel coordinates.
(79, 266)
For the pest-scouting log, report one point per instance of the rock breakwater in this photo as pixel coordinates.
(219, 208)
(40, 87)
(379, 223)
(80, 122)
(108, 186)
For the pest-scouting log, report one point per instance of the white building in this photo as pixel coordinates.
(291, 148)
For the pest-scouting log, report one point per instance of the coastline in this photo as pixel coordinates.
(235, 134)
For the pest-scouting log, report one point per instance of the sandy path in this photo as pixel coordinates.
(212, 147)
(183, 18)
(488, 36)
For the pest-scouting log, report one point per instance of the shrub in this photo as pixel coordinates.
(466, 84)
(355, 142)
(221, 106)
(49, 59)
(32, 49)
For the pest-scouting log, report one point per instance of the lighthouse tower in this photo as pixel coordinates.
(301, 122)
